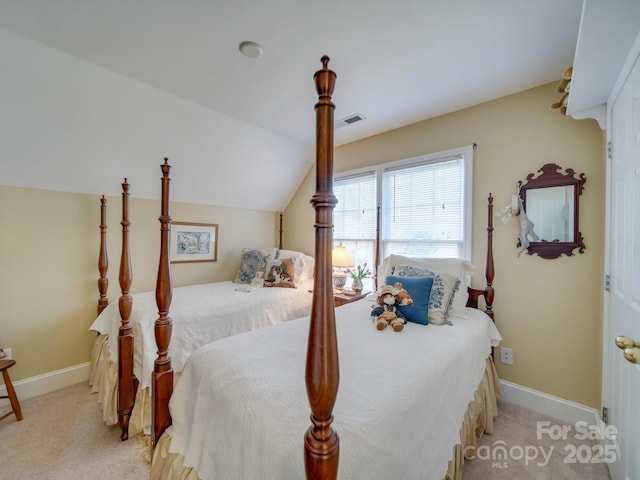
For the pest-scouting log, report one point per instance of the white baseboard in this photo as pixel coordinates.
(554, 407)
(47, 382)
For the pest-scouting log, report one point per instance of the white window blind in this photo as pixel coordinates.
(354, 218)
(422, 209)
(425, 205)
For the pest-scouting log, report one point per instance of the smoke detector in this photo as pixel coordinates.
(250, 49)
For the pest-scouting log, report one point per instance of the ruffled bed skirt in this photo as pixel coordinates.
(477, 421)
(103, 378)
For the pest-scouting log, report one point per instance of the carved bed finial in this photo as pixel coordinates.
(325, 81)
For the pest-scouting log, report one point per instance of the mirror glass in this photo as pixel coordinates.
(550, 202)
(552, 212)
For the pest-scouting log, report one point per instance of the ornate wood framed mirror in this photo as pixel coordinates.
(551, 202)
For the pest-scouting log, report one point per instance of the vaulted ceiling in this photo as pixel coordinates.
(398, 62)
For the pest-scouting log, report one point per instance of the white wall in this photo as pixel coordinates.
(68, 125)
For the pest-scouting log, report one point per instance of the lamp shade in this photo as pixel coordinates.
(340, 257)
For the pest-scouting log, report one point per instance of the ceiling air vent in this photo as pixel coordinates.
(349, 120)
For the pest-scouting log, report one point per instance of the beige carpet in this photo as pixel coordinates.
(62, 436)
(516, 429)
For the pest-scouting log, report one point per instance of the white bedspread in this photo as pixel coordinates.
(240, 408)
(201, 314)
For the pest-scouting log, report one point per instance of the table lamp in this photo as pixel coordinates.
(340, 259)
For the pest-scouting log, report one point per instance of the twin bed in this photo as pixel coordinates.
(202, 313)
(239, 409)
(373, 404)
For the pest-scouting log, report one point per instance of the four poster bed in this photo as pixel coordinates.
(121, 368)
(410, 406)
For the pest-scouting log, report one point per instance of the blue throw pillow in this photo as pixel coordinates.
(420, 290)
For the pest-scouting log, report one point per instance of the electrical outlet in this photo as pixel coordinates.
(506, 356)
(7, 351)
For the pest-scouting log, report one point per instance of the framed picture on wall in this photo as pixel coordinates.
(193, 242)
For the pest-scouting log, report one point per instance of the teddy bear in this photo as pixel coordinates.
(387, 313)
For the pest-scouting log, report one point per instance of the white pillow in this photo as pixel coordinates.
(288, 254)
(457, 267)
(304, 266)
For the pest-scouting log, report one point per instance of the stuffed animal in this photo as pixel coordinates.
(526, 229)
(387, 313)
(526, 226)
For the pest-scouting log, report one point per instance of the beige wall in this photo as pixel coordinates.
(49, 245)
(548, 311)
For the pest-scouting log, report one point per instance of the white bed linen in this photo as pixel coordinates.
(201, 314)
(240, 408)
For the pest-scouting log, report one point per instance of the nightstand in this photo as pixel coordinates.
(341, 298)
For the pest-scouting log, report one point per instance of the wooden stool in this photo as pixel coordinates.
(5, 365)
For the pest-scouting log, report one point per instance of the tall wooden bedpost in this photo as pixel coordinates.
(103, 260)
(127, 383)
(162, 377)
(488, 268)
(487, 292)
(322, 372)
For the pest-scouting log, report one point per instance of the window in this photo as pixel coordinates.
(355, 218)
(425, 208)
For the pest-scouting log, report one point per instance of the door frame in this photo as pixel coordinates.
(609, 349)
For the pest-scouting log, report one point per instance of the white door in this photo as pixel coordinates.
(621, 378)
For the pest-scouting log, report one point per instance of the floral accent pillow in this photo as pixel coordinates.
(280, 273)
(253, 262)
(442, 291)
